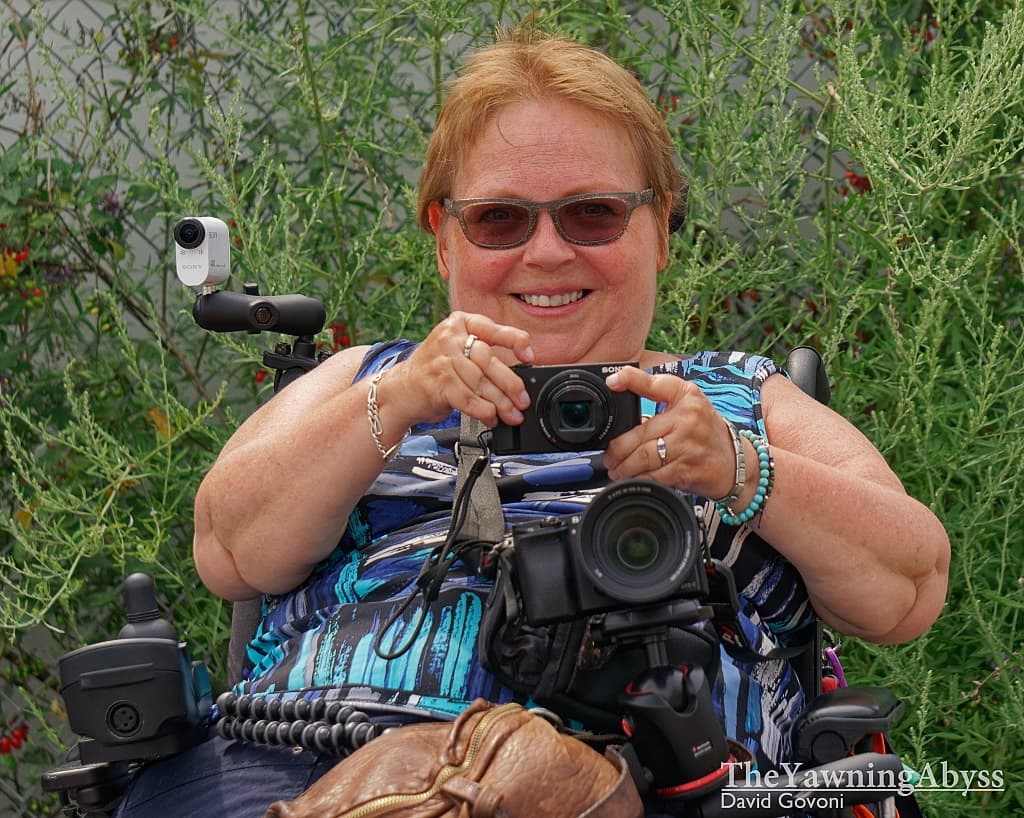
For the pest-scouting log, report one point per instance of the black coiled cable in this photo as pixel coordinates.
(326, 727)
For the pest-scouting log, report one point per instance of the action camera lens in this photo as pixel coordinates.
(189, 233)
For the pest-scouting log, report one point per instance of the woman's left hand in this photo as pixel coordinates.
(688, 446)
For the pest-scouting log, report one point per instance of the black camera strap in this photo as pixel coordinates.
(477, 522)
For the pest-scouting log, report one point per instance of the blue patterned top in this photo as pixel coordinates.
(319, 639)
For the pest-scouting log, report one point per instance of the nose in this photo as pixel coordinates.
(546, 247)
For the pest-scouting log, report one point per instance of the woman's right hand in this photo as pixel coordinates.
(316, 441)
(439, 376)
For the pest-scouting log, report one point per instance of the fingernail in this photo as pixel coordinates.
(612, 380)
(523, 399)
(528, 354)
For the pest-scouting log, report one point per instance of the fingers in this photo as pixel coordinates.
(490, 389)
(465, 363)
(688, 445)
(510, 343)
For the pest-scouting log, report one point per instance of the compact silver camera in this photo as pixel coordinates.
(202, 251)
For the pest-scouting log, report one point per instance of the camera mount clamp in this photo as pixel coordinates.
(248, 311)
(677, 747)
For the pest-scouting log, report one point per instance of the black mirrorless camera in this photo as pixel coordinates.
(571, 410)
(637, 543)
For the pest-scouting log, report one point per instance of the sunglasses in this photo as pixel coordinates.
(589, 218)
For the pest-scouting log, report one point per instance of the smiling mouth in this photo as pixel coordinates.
(558, 300)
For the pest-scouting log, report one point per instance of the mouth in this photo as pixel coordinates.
(553, 300)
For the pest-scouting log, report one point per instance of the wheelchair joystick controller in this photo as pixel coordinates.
(134, 698)
(142, 613)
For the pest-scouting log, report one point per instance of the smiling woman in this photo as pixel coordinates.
(559, 272)
(549, 187)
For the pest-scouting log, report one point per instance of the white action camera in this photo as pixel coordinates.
(202, 251)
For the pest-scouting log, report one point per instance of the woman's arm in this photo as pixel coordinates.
(874, 559)
(278, 497)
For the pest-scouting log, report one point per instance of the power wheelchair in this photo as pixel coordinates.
(140, 697)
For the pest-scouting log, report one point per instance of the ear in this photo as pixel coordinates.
(435, 215)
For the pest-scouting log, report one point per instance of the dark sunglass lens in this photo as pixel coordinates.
(593, 219)
(496, 224)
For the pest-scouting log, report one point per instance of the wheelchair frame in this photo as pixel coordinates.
(836, 731)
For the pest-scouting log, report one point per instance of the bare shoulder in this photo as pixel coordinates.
(332, 375)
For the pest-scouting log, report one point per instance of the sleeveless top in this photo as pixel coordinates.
(320, 638)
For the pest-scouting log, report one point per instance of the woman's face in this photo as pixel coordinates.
(579, 303)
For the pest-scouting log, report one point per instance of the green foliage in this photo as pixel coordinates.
(855, 183)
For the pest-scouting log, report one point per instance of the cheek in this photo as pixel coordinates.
(473, 273)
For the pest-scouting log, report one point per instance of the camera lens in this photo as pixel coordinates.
(574, 410)
(638, 542)
(637, 547)
(575, 414)
(189, 233)
(633, 539)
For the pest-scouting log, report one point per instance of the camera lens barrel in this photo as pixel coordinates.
(639, 542)
(574, 408)
(189, 233)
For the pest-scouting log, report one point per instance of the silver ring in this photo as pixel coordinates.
(467, 349)
(662, 450)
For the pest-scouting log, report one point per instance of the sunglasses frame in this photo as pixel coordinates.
(632, 200)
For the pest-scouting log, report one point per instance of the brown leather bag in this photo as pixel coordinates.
(493, 761)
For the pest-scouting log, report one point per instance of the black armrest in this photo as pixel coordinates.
(833, 724)
(804, 367)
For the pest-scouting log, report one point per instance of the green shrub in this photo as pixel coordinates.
(855, 183)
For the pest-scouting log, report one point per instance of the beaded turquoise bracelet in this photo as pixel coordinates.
(766, 476)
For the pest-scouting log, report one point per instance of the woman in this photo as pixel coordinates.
(362, 447)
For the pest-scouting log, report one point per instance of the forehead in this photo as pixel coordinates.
(547, 149)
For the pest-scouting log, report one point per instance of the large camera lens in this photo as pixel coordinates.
(638, 542)
(574, 409)
(189, 233)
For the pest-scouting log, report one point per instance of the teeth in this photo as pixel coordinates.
(552, 300)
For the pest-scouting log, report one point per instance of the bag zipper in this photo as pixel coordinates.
(385, 803)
